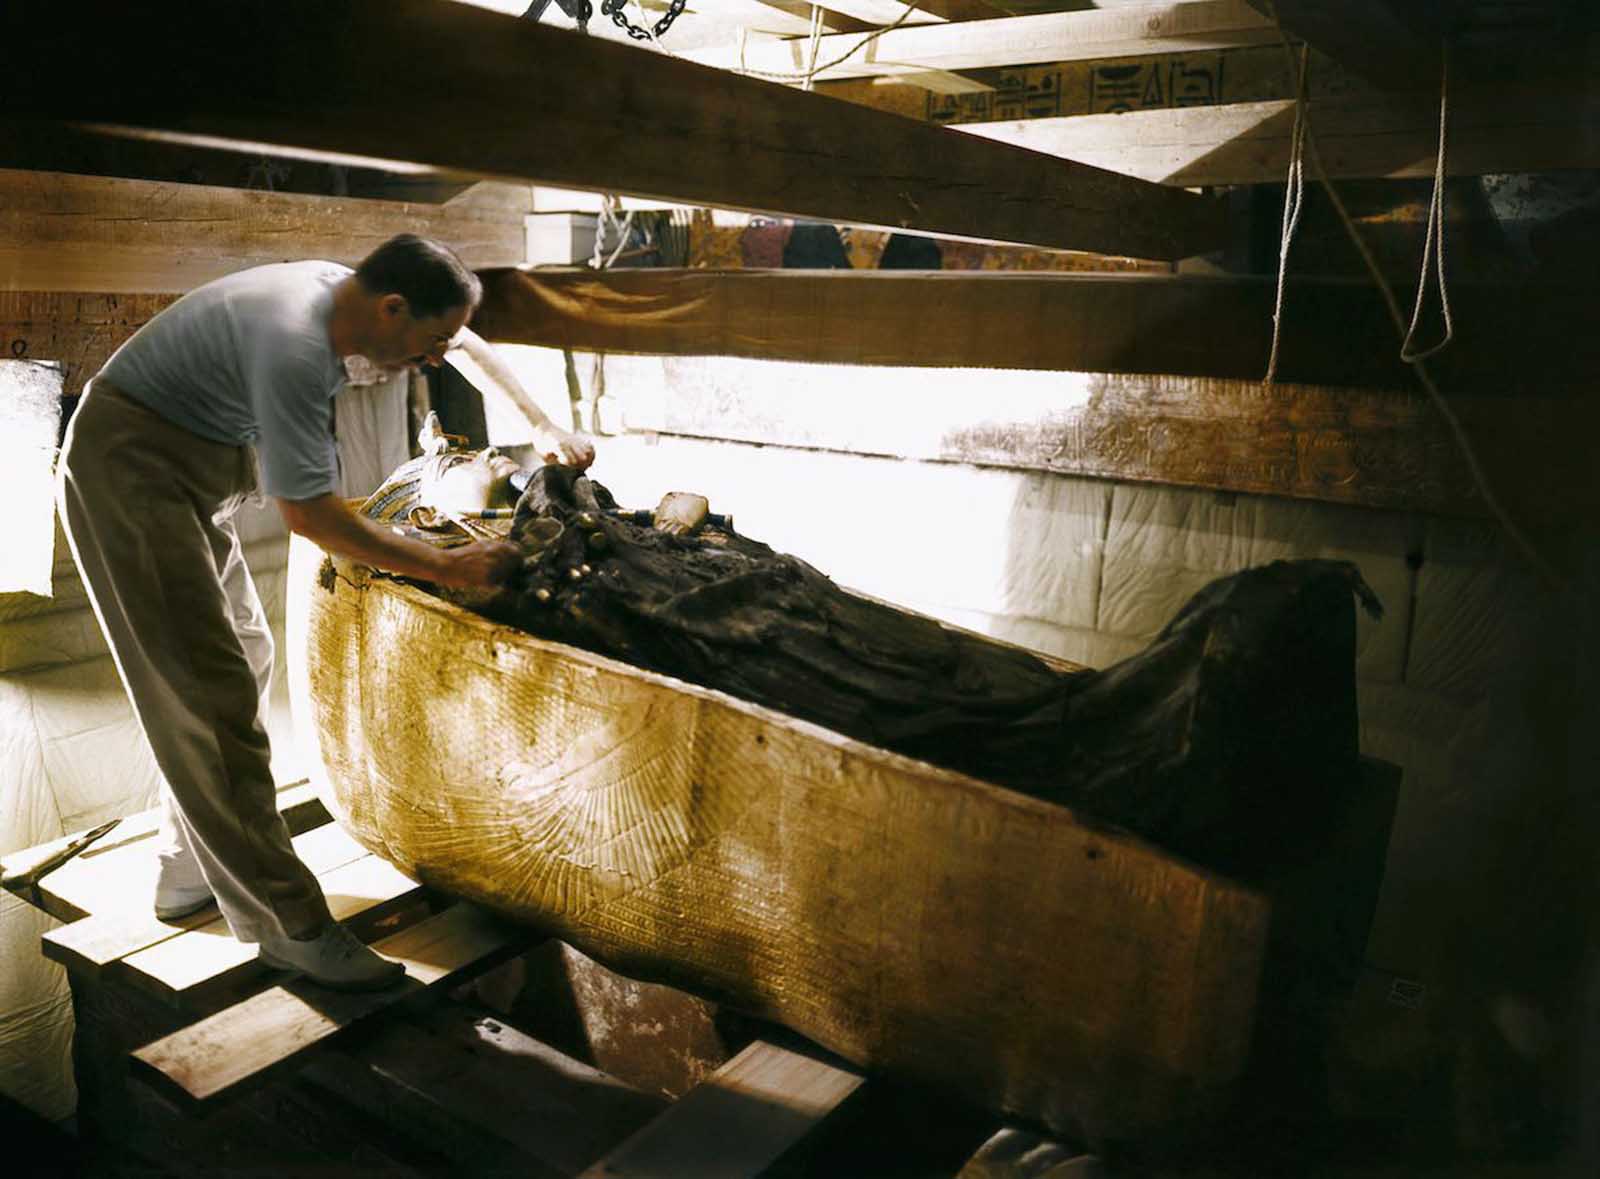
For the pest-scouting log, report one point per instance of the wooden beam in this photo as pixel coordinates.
(1090, 35)
(119, 870)
(53, 148)
(1370, 448)
(1367, 37)
(586, 114)
(1360, 135)
(60, 232)
(456, 1058)
(191, 969)
(248, 1041)
(1526, 339)
(737, 1122)
(940, 82)
(91, 945)
(968, 9)
(798, 12)
(882, 12)
(788, 18)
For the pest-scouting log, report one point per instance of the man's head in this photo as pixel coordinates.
(416, 295)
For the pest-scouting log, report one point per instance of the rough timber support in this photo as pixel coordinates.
(1534, 341)
(1116, 33)
(1369, 37)
(517, 100)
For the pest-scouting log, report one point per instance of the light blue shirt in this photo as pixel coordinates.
(246, 360)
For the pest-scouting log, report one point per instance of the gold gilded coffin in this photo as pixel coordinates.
(913, 920)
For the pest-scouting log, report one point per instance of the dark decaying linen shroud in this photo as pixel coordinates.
(1226, 740)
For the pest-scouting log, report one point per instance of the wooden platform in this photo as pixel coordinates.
(194, 1059)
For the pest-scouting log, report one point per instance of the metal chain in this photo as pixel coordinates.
(614, 9)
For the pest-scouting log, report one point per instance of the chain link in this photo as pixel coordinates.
(614, 9)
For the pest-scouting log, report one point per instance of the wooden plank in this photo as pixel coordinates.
(199, 962)
(881, 12)
(97, 941)
(249, 1040)
(703, 136)
(1091, 35)
(1529, 340)
(1378, 449)
(970, 9)
(60, 232)
(1368, 37)
(1510, 129)
(734, 1125)
(783, 17)
(99, 879)
(943, 82)
(480, 1073)
(39, 148)
(789, 18)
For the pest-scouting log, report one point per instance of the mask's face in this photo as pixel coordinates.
(459, 483)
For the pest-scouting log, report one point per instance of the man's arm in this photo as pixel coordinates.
(554, 443)
(328, 521)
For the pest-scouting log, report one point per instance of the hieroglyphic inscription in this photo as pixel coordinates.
(1032, 92)
(1075, 88)
(1194, 80)
(81, 331)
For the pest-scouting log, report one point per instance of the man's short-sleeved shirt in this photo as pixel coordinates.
(246, 360)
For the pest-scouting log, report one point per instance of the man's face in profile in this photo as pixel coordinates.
(404, 341)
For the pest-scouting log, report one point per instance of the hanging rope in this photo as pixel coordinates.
(1293, 202)
(1433, 239)
(814, 69)
(610, 205)
(812, 46)
(1418, 365)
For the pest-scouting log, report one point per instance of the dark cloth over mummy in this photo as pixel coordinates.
(1226, 740)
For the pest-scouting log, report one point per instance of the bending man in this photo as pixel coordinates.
(157, 459)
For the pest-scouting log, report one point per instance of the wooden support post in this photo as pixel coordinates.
(518, 100)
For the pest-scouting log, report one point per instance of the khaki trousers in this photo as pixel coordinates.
(147, 507)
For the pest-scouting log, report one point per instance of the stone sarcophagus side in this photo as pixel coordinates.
(914, 920)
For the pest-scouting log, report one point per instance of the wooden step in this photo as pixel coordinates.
(248, 1041)
(185, 969)
(96, 941)
(118, 873)
(480, 1071)
(736, 1123)
(463, 1081)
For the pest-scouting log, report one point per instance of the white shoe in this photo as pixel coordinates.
(334, 958)
(174, 901)
(180, 888)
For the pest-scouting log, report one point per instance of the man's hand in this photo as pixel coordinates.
(328, 520)
(482, 564)
(566, 448)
